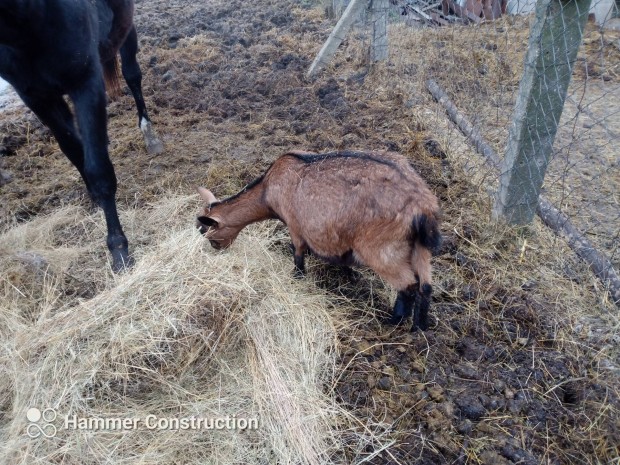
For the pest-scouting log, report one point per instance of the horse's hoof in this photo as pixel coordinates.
(154, 147)
(5, 177)
(121, 262)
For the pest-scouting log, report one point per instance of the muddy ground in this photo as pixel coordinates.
(499, 379)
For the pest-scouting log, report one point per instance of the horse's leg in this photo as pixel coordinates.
(54, 112)
(90, 109)
(122, 23)
(133, 77)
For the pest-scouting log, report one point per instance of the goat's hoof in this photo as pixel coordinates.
(299, 274)
(395, 320)
(353, 276)
(421, 327)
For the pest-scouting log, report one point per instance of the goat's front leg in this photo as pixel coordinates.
(299, 250)
(90, 100)
(300, 265)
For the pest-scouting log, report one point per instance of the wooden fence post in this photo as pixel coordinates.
(555, 38)
(379, 16)
(337, 36)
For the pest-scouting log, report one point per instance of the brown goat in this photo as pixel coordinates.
(349, 208)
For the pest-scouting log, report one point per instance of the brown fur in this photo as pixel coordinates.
(122, 21)
(339, 205)
(112, 78)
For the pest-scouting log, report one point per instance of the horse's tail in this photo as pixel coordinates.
(111, 77)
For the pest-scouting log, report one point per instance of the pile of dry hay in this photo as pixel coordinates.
(187, 332)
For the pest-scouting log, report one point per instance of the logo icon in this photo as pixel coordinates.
(34, 415)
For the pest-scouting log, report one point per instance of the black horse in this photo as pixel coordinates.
(53, 48)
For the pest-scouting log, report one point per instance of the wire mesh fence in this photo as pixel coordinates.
(559, 132)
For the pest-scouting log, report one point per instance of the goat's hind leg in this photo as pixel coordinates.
(421, 306)
(421, 263)
(403, 306)
(133, 77)
(398, 272)
(416, 298)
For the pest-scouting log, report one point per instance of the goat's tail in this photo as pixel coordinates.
(111, 77)
(425, 231)
(425, 238)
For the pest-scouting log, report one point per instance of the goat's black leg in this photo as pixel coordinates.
(421, 307)
(54, 112)
(133, 77)
(299, 248)
(90, 108)
(300, 265)
(403, 305)
(351, 275)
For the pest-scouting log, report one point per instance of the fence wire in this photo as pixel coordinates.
(479, 63)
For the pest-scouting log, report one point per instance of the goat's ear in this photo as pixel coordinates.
(207, 195)
(208, 221)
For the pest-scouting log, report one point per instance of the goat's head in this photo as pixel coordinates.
(212, 224)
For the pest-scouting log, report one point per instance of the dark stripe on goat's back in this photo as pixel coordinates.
(247, 188)
(316, 158)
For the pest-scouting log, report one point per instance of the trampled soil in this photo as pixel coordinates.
(501, 378)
